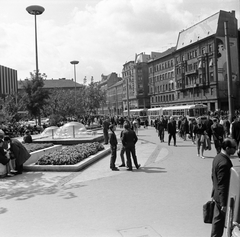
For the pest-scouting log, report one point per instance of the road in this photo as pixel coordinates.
(163, 198)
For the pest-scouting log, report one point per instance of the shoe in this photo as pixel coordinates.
(115, 169)
(202, 157)
(139, 165)
(169, 144)
(10, 175)
(175, 145)
(198, 154)
(14, 171)
(122, 165)
(129, 169)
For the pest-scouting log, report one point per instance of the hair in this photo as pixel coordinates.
(126, 126)
(111, 127)
(7, 138)
(227, 142)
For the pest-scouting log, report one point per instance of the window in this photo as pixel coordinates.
(210, 48)
(203, 50)
(211, 91)
(211, 76)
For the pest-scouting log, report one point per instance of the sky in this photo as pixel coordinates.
(101, 34)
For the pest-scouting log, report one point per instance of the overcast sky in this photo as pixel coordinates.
(101, 34)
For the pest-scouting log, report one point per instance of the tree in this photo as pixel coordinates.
(36, 97)
(93, 97)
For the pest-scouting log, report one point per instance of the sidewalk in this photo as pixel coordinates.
(163, 198)
(42, 203)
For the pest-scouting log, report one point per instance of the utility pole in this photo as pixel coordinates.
(229, 72)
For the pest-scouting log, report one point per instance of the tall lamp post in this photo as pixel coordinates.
(75, 93)
(35, 10)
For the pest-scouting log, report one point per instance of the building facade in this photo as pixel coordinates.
(201, 62)
(113, 102)
(162, 79)
(8, 85)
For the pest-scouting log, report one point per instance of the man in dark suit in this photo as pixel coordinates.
(221, 167)
(235, 131)
(129, 139)
(171, 127)
(105, 126)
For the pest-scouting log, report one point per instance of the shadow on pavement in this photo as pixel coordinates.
(149, 169)
(25, 186)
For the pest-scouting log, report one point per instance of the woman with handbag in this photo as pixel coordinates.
(200, 132)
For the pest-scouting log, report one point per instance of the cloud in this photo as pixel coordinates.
(102, 35)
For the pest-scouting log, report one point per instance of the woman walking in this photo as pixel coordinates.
(200, 132)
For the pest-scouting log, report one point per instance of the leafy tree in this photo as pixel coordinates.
(36, 97)
(93, 97)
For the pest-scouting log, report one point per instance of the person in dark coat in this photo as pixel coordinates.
(129, 139)
(5, 159)
(171, 127)
(106, 125)
(221, 167)
(208, 125)
(113, 144)
(160, 127)
(19, 152)
(218, 134)
(235, 130)
(27, 137)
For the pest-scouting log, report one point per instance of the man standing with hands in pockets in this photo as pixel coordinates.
(129, 139)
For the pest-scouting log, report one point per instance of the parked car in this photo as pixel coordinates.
(232, 221)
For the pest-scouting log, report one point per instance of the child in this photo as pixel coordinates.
(5, 159)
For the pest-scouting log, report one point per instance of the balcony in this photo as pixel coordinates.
(192, 72)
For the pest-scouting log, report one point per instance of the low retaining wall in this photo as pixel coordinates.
(35, 155)
(72, 168)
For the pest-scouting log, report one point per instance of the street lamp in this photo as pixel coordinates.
(75, 94)
(35, 10)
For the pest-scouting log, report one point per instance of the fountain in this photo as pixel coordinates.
(69, 134)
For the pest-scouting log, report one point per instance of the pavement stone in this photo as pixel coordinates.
(163, 198)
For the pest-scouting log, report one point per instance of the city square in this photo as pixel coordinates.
(163, 198)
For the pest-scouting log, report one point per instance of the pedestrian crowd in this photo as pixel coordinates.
(204, 131)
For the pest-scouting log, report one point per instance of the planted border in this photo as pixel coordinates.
(70, 155)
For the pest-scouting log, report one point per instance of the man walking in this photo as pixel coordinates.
(172, 131)
(221, 167)
(218, 134)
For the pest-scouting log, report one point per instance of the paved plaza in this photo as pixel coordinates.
(163, 198)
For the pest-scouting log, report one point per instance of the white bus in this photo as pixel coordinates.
(177, 111)
(185, 110)
(134, 113)
(153, 114)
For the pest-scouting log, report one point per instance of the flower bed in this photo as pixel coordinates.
(70, 155)
(37, 146)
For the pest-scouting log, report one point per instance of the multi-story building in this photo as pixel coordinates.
(201, 62)
(135, 82)
(8, 81)
(107, 85)
(162, 79)
(8, 85)
(115, 102)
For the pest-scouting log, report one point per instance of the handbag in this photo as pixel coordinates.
(208, 209)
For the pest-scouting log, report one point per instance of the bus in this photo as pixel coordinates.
(153, 114)
(194, 110)
(137, 113)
